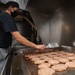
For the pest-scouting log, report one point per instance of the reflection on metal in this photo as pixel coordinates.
(55, 28)
(67, 47)
(52, 45)
(67, 28)
(24, 67)
(16, 66)
(74, 43)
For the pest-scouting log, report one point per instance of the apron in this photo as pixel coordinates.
(3, 59)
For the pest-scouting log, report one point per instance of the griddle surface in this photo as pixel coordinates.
(68, 72)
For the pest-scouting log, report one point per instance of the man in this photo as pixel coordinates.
(8, 29)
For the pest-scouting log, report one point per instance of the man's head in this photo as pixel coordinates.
(13, 7)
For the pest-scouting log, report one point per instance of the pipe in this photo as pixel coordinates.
(30, 23)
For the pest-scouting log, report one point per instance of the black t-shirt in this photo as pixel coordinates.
(7, 25)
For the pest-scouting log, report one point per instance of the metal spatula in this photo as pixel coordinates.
(52, 45)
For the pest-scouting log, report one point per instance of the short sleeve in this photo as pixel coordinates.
(8, 23)
(9, 26)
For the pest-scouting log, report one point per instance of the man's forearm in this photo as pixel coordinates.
(24, 41)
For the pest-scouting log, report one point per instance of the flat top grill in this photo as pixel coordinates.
(28, 66)
(34, 68)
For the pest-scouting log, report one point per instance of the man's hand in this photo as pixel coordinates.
(41, 47)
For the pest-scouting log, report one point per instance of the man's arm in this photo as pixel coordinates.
(24, 41)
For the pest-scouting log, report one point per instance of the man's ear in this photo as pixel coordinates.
(10, 7)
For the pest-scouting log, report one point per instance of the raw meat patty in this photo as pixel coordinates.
(71, 64)
(53, 62)
(60, 67)
(39, 61)
(44, 65)
(63, 60)
(46, 71)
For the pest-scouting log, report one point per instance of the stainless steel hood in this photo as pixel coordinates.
(49, 6)
(54, 20)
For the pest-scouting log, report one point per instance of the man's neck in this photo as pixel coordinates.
(7, 11)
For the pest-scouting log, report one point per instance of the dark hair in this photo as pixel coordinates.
(12, 3)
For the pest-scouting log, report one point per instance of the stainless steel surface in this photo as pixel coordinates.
(68, 72)
(54, 20)
(24, 67)
(52, 45)
(19, 66)
(16, 66)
